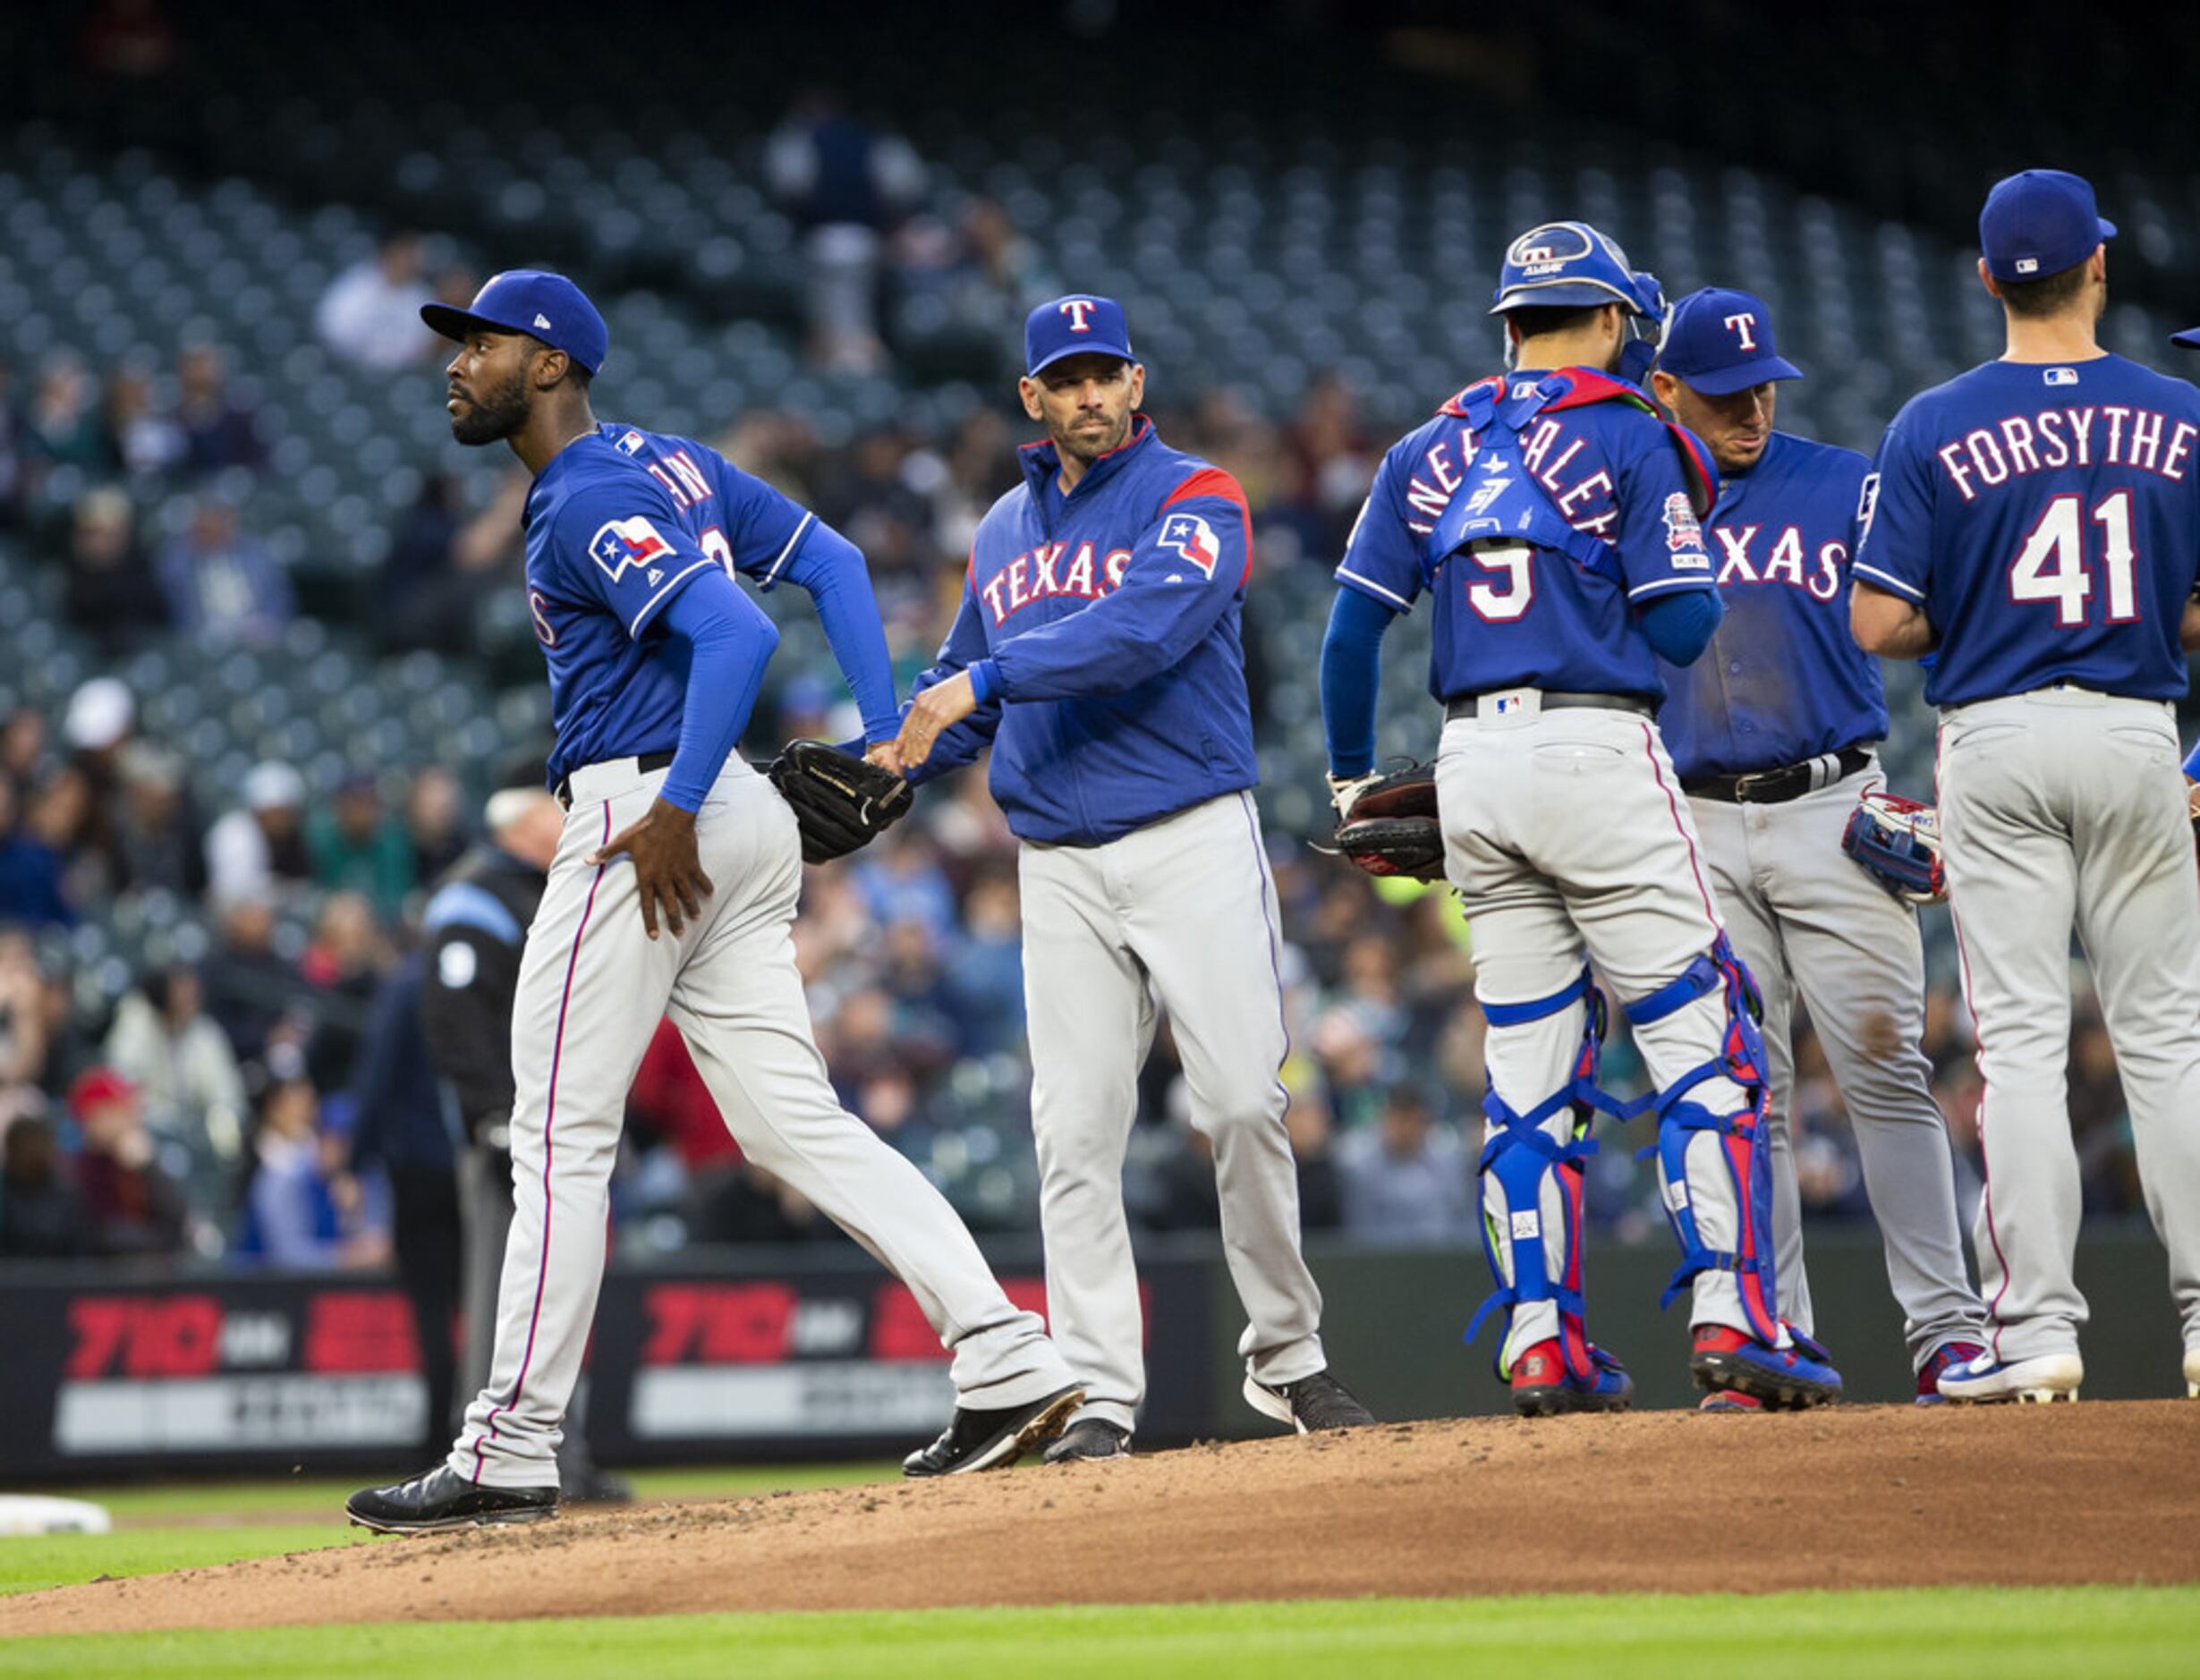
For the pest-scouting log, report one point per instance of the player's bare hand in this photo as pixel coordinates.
(886, 755)
(667, 871)
(932, 712)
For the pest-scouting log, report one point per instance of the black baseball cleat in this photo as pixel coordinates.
(1089, 1440)
(994, 1439)
(441, 1500)
(1319, 1401)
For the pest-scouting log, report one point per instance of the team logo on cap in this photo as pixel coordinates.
(1078, 309)
(1744, 327)
(627, 542)
(1195, 538)
(1549, 249)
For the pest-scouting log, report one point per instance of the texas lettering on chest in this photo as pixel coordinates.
(1050, 572)
(1768, 554)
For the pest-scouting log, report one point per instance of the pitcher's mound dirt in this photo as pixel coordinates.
(1679, 1501)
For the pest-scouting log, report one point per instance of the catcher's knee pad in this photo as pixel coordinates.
(1744, 1170)
(1535, 1179)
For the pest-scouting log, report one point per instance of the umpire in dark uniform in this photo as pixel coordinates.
(476, 925)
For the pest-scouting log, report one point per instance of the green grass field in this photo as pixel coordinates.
(1947, 1633)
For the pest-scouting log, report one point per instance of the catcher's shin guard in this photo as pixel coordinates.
(1744, 1141)
(1535, 1180)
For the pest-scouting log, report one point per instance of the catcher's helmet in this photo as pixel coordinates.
(1570, 265)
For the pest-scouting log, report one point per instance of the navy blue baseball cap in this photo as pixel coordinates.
(2040, 222)
(1079, 325)
(1720, 342)
(549, 306)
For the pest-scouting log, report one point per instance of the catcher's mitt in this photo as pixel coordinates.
(1390, 826)
(841, 802)
(1896, 842)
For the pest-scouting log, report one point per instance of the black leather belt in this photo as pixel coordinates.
(643, 765)
(1774, 787)
(1559, 700)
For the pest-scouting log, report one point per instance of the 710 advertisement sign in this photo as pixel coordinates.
(118, 1376)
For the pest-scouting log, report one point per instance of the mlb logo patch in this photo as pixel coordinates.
(2027, 265)
(627, 542)
(1195, 538)
(630, 445)
(2061, 376)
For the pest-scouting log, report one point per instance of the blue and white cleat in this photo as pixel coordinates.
(1784, 1378)
(1943, 1359)
(1986, 1379)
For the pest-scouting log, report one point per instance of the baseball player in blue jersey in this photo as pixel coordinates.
(672, 892)
(2036, 525)
(1773, 731)
(1554, 519)
(1097, 649)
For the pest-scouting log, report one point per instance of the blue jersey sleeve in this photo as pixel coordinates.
(964, 650)
(619, 542)
(1184, 569)
(1382, 556)
(1894, 543)
(1661, 546)
(764, 531)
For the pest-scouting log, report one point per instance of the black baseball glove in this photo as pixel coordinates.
(1390, 827)
(841, 802)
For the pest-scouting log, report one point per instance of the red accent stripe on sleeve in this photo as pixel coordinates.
(1214, 481)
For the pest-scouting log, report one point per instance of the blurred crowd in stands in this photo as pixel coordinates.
(223, 1106)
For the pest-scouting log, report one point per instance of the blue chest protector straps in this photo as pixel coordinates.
(1512, 505)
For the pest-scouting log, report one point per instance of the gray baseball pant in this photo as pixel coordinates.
(1182, 910)
(592, 989)
(2064, 808)
(1807, 922)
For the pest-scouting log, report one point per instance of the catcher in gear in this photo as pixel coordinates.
(1552, 518)
(842, 802)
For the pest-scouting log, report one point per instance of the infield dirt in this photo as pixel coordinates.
(1674, 1501)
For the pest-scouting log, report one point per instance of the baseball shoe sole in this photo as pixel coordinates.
(1730, 1400)
(1983, 1380)
(976, 1440)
